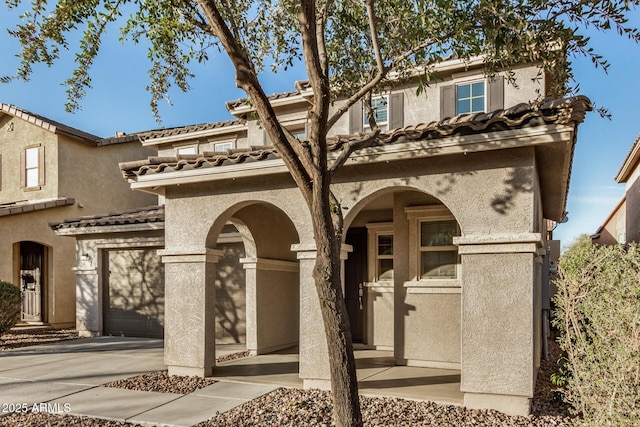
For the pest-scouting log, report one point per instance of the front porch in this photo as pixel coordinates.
(376, 371)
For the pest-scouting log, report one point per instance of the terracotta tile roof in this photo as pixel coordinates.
(553, 111)
(149, 214)
(300, 85)
(182, 130)
(59, 128)
(26, 206)
(48, 124)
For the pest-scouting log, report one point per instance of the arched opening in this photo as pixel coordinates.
(403, 287)
(32, 268)
(257, 281)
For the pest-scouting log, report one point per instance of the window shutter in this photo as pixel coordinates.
(23, 168)
(396, 111)
(355, 118)
(495, 94)
(41, 166)
(447, 101)
(307, 130)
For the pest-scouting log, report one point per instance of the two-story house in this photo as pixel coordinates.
(444, 229)
(48, 172)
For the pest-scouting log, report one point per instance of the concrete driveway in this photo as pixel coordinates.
(66, 377)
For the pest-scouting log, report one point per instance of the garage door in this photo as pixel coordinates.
(134, 300)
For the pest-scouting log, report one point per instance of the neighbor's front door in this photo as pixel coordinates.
(31, 260)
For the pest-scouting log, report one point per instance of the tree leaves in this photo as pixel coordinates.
(409, 36)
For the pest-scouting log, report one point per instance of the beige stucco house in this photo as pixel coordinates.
(49, 172)
(622, 225)
(444, 239)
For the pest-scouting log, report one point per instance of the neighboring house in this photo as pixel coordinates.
(48, 172)
(623, 223)
(444, 230)
(120, 286)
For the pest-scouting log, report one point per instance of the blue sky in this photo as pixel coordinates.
(119, 102)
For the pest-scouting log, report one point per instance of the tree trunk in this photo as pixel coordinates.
(326, 274)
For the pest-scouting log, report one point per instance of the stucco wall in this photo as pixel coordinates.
(91, 175)
(15, 135)
(632, 215)
(60, 280)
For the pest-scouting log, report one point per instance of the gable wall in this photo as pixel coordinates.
(15, 135)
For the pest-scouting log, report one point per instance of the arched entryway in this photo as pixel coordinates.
(270, 272)
(403, 278)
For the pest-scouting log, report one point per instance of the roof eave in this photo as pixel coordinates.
(505, 139)
(630, 163)
(107, 229)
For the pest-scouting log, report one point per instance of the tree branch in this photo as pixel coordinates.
(381, 71)
(319, 82)
(247, 79)
(350, 147)
(320, 36)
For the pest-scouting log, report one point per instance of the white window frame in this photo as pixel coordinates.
(382, 125)
(470, 83)
(416, 216)
(187, 149)
(374, 231)
(32, 166)
(220, 147)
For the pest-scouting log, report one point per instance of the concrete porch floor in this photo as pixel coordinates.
(377, 375)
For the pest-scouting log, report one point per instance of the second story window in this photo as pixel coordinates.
(470, 98)
(222, 146)
(32, 167)
(388, 111)
(187, 150)
(380, 111)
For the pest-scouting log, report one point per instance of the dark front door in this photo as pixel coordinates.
(31, 275)
(355, 276)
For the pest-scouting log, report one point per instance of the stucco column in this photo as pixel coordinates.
(272, 298)
(314, 354)
(500, 278)
(88, 295)
(189, 332)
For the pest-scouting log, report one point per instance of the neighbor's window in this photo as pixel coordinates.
(380, 108)
(384, 257)
(438, 254)
(470, 98)
(222, 146)
(187, 150)
(32, 172)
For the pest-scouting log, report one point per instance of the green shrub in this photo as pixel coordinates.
(10, 305)
(598, 316)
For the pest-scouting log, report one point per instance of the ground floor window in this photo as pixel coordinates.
(438, 254)
(433, 256)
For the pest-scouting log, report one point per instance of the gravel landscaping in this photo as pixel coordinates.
(294, 407)
(29, 337)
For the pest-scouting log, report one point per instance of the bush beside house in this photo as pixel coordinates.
(598, 316)
(9, 306)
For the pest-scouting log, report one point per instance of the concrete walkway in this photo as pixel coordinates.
(66, 377)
